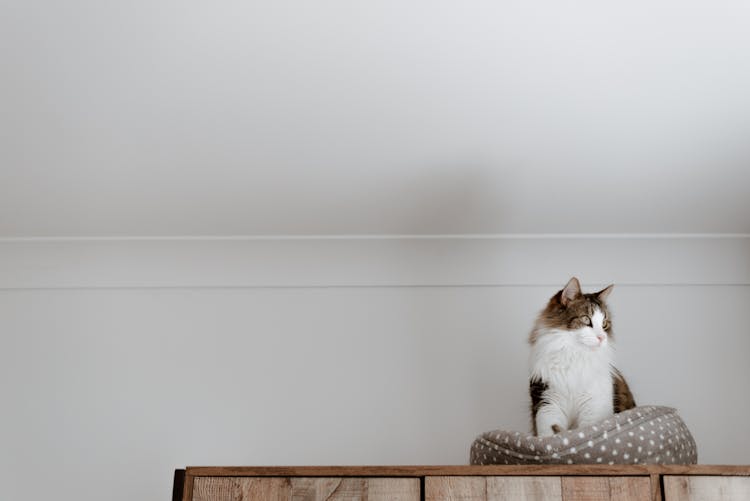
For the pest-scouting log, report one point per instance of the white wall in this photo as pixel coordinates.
(124, 359)
(163, 117)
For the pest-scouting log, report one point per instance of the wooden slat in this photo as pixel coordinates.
(329, 489)
(706, 488)
(526, 488)
(455, 489)
(630, 488)
(585, 489)
(656, 487)
(489, 470)
(305, 489)
(606, 489)
(187, 493)
(393, 489)
(246, 488)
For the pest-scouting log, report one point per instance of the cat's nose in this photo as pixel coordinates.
(601, 337)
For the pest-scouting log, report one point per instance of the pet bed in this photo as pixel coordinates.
(642, 435)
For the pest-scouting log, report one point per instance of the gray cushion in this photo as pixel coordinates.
(642, 435)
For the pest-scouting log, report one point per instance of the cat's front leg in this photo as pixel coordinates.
(549, 420)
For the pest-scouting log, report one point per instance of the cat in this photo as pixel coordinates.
(573, 381)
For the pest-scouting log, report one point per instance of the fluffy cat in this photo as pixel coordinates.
(573, 381)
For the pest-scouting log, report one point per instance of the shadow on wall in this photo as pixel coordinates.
(455, 198)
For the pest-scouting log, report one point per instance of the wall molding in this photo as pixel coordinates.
(374, 261)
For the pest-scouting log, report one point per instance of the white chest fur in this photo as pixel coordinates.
(578, 378)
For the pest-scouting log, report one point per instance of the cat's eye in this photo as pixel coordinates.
(586, 320)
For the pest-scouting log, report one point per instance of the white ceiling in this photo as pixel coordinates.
(335, 117)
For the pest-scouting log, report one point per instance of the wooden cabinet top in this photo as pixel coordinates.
(493, 470)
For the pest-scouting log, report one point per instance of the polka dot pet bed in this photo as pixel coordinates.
(642, 435)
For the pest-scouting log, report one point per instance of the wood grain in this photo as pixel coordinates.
(526, 488)
(455, 488)
(606, 489)
(706, 488)
(393, 489)
(466, 470)
(305, 489)
(630, 488)
(656, 487)
(187, 492)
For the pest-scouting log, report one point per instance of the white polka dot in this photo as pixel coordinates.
(549, 447)
(614, 452)
(630, 433)
(580, 434)
(640, 449)
(587, 455)
(617, 440)
(598, 460)
(605, 434)
(570, 461)
(626, 456)
(590, 443)
(603, 447)
(630, 444)
(566, 441)
(572, 450)
(651, 442)
(635, 460)
(611, 462)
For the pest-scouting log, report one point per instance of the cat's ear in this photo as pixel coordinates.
(602, 294)
(571, 291)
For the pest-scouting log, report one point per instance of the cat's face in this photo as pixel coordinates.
(584, 318)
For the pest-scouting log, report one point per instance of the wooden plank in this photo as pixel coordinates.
(629, 488)
(606, 489)
(393, 489)
(526, 488)
(706, 488)
(466, 470)
(455, 489)
(585, 489)
(305, 489)
(329, 489)
(656, 487)
(187, 493)
(245, 489)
